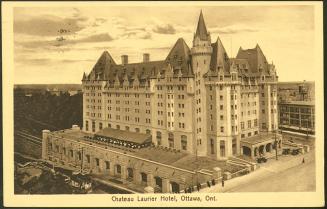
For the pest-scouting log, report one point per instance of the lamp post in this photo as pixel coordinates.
(276, 146)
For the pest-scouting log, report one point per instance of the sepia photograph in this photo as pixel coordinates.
(179, 103)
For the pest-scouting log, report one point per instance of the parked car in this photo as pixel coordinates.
(261, 160)
(295, 152)
(286, 151)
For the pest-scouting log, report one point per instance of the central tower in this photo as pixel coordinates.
(201, 57)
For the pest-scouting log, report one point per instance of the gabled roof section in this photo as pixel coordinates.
(179, 56)
(219, 57)
(102, 67)
(201, 30)
(255, 58)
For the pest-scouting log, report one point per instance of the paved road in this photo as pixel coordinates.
(286, 174)
(300, 178)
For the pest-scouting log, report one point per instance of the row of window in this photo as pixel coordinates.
(171, 141)
(255, 124)
(179, 88)
(93, 87)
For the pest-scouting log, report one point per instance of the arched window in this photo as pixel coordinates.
(212, 146)
(184, 142)
(159, 137)
(86, 125)
(222, 148)
(171, 139)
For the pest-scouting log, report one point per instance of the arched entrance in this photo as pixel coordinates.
(118, 170)
(174, 187)
(261, 149)
(144, 178)
(268, 147)
(130, 174)
(246, 151)
(158, 184)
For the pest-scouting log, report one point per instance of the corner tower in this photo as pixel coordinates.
(201, 58)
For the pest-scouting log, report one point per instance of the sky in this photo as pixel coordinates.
(58, 44)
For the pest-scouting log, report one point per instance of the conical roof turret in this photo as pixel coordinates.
(201, 30)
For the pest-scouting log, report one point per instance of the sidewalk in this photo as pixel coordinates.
(265, 170)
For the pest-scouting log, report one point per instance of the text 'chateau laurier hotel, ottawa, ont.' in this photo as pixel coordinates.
(194, 117)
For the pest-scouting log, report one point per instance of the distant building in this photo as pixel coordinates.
(297, 116)
(296, 91)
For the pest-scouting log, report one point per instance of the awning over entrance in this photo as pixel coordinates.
(262, 144)
(113, 135)
(258, 139)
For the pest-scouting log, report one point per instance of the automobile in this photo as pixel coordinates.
(261, 160)
(286, 151)
(295, 152)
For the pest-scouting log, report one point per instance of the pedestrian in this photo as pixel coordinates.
(303, 160)
(222, 183)
(208, 183)
(197, 187)
(213, 182)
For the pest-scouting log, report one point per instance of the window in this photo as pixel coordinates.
(93, 126)
(222, 129)
(263, 125)
(118, 127)
(242, 125)
(222, 148)
(107, 165)
(97, 161)
(221, 117)
(255, 122)
(184, 142)
(171, 140)
(87, 125)
(212, 146)
(249, 123)
(137, 130)
(221, 107)
(159, 137)
(100, 126)
(127, 128)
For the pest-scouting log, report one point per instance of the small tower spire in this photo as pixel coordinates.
(201, 30)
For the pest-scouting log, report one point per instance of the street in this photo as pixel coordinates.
(287, 174)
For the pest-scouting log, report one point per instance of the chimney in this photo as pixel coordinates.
(146, 57)
(124, 59)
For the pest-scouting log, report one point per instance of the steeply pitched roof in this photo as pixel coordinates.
(178, 58)
(255, 57)
(102, 66)
(219, 57)
(201, 30)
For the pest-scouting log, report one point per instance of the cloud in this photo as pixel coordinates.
(158, 48)
(49, 25)
(233, 29)
(104, 37)
(61, 41)
(19, 60)
(164, 29)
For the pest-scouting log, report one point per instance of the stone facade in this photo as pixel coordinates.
(77, 154)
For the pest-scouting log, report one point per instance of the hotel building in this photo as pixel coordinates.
(197, 100)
